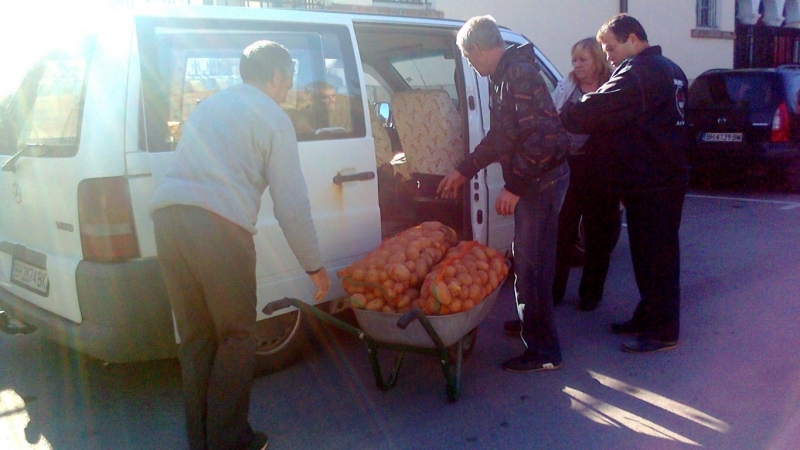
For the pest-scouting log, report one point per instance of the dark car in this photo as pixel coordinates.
(746, 121)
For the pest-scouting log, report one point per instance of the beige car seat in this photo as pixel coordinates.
(430, 131)
(429, 128)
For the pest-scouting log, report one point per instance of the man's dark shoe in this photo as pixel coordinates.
(530, 363)
(259, 441)
(644, 344)
(626, 329)
(513, 327)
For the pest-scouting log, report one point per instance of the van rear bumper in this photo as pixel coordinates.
(125, 310)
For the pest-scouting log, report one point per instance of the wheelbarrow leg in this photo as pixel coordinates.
(452, 372)
(376, 367)
(452, 375)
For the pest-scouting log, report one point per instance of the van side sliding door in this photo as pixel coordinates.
(185, 62)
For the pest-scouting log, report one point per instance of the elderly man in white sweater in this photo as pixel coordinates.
(233, 146)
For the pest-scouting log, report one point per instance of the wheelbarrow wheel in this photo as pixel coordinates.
(467, 346)
(281, 341)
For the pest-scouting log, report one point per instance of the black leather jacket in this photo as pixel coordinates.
(638, 134)
(526, 135)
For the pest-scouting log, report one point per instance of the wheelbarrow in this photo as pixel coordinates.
(448, 338)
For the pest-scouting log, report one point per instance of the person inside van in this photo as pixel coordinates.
(325, 111)
(234, 145)
(528, 140)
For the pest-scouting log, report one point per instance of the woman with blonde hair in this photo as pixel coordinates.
(590, 70)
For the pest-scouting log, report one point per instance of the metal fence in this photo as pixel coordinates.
(763, 46)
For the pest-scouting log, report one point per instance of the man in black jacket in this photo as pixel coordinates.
(528, 140)
(637, 127)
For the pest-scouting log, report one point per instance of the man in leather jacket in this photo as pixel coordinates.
(638, 133)
(528, 140)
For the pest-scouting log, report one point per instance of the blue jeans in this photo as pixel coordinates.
(534, 248)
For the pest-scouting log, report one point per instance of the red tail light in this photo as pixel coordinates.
(780, 125)
(106, 220)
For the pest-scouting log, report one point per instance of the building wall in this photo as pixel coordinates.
(669, 23)
(554, 25)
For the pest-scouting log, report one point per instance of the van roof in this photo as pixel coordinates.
(279, 15)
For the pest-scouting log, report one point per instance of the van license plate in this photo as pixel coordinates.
(722, 137)
(30, 277)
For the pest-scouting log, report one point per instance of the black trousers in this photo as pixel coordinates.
(209, 268)
(601, 219)
(653, 219)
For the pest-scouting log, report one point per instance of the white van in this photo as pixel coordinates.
(91, 130)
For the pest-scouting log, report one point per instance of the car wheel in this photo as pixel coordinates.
(281, 341)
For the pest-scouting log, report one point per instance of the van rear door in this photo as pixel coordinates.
(47, 148)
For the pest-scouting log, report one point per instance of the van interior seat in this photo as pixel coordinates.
(429, 127)
(430, 131)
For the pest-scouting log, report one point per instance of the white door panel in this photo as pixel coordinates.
(346, 217)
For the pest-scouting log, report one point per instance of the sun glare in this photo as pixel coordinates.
(603, 413)
(29, 29)
(15, 420)
(606, 414)
(679, 409)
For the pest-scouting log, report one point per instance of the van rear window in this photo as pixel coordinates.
(759, 91)
(43, 117)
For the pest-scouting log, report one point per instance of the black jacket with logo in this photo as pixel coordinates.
(526, 135)
(636, 123)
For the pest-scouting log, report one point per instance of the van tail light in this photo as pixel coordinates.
(106, 220)
(780, 125)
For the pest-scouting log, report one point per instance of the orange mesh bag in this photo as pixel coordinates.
(469, 272)
(389, 277)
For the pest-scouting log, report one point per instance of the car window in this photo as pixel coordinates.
(429, 71)
(187, 66)
(793, 92)
(759, 91)
(549, 78)
(43, 117)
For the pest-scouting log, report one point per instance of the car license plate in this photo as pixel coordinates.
(722, 137)
(30, 277)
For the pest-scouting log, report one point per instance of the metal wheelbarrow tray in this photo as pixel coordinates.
(447, 337)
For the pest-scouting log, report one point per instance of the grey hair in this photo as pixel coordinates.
(481, 31)
(261, 59)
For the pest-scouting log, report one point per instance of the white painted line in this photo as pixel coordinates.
(787, 204)
(791, 206)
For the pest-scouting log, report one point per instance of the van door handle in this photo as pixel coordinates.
(361, 176)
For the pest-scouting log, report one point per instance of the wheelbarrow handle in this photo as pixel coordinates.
(277, 305)
(406, 319)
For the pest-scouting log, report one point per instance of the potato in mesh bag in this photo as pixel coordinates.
(389, 277)
(469, 272)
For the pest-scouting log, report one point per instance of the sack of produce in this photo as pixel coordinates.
(389, 277)
(469, 272)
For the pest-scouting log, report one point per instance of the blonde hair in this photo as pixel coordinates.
(598, 57)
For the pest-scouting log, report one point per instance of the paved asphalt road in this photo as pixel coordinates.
(733, 382)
